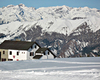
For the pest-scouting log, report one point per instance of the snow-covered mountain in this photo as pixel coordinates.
(22, 13)
(61, 19)
(68, 30)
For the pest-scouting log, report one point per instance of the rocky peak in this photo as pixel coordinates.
(21, 5)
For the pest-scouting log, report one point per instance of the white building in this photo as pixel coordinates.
(44, 53)
(18, 50)
(22, 50)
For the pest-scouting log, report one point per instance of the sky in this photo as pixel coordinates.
(50, 3)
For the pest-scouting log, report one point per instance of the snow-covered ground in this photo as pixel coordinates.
(57, 69)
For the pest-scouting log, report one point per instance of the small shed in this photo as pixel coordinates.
(44, 53)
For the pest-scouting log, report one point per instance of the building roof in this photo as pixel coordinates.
(16, 45)
(37, 57)
(42, 50)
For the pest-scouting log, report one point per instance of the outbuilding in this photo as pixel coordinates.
(44, 53)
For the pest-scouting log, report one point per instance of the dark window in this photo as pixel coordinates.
(31, 53)
(17, 53)
(10, 59)
(48, 53)
(35, 46)
(44, 53)
(3, 52)
(10, 52)
(3, 59)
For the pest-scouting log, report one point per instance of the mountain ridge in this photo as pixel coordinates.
(66, 31)
(22, 13)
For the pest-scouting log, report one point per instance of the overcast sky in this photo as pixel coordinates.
(49, 3)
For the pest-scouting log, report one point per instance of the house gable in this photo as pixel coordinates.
(47, 54)
(32, 50)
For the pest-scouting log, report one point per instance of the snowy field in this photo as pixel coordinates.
(57, 69)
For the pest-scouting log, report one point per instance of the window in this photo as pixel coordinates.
(35, 46)
(31, 53)
(48, 53)
(3, 52)
(44, 53)
(17, 53)
(10, 52)
(10, 59)
(3, 59)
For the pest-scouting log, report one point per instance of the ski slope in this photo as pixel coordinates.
(57, 69)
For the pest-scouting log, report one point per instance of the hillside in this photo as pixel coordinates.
(68, 32)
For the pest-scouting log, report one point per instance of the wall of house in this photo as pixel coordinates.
(33, 49)
(17, 55)
(4, 54)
